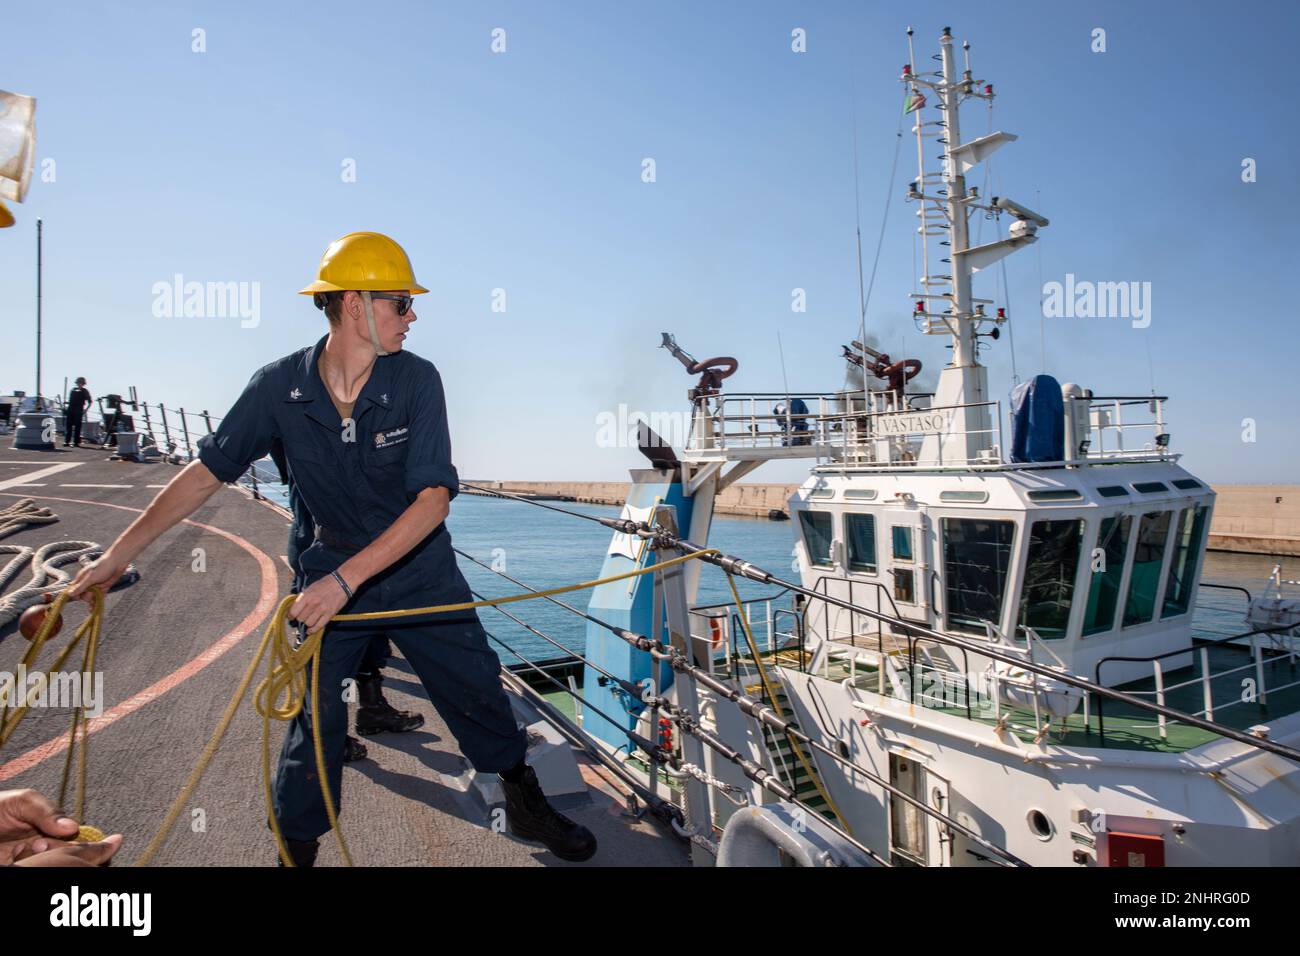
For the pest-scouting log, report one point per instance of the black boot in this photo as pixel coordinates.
(302, 852)
(353, 750)
(530, 817)
(375, 715)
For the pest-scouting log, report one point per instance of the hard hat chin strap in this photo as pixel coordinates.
(370, 321)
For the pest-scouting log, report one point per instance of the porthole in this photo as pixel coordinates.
(1040, 826)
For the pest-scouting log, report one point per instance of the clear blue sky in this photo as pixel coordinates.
(522, 171)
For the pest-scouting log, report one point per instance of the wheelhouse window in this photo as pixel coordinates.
(976, 556)
(904, 585)
(861, 531)
(1050, 570)
(1182, 568)
(904, 577)
(1148, 559)
(817, 536)
(902, 536)
(1107, 573)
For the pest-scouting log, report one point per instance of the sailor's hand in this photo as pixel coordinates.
(320, 602)
(31, 827)
(101, 573)
(72, 854)
(25, 813)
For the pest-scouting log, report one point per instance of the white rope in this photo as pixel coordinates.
(692, 833)
(45, 566)
(23, 513)
(704, 778)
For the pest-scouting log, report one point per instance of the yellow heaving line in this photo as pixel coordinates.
(279, 695)
(770, 688)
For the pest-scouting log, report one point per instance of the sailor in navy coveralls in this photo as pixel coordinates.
(374, 713)
(363, 425)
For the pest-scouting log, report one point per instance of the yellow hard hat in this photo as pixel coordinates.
(6, 217)
(364, 262)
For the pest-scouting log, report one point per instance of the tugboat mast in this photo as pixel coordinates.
(963, 383)
(963, 340)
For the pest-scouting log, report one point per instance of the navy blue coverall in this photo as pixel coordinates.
(301, 534)
(355, 490)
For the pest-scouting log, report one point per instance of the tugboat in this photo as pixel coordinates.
(995, 626)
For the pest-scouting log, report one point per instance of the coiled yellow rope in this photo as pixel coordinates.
(280, 694)
(88, 631)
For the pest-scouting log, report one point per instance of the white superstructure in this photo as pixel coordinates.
(943, 510)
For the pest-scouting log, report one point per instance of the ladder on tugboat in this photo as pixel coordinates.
(783, 760)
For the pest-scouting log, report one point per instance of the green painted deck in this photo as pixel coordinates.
(1130, 728)
(1125, 727)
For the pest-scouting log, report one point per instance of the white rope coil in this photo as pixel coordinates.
(23, 513)
(46, 568)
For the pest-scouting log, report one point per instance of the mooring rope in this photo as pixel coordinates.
(23, 513)
(45, 566)
(280, 694)
(88, 631)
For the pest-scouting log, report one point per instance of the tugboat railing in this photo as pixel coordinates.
(823, 585)
(1200, 653)
(886, 437)
(1106, 417)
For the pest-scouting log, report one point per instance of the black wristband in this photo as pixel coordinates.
(343, 584)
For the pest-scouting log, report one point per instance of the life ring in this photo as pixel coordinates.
(716, 637)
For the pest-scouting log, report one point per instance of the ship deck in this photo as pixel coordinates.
(1124, 727)
(174, 646)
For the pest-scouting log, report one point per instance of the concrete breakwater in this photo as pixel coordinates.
(1255, 519)
(753, 499)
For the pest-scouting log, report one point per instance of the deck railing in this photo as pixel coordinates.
(176, 433)
(1283, 642)
(864, 594)
(1117, 430)
(774, 628)
(874, 430)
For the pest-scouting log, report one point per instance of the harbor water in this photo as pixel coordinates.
(545, 549)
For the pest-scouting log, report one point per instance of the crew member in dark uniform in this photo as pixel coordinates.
(374, 714)
(78, 400)
(378, 482)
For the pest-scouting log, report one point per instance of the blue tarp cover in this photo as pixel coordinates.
(1037, 421)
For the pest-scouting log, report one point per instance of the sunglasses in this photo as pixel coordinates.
(404, 302)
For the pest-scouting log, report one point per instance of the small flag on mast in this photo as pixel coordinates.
(915, 100)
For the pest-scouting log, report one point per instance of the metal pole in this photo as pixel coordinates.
(167, 433)
(38, 314)
(963, 353)
(186, 429)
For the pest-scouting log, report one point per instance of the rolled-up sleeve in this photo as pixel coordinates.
(428, 460)
(245, 434)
